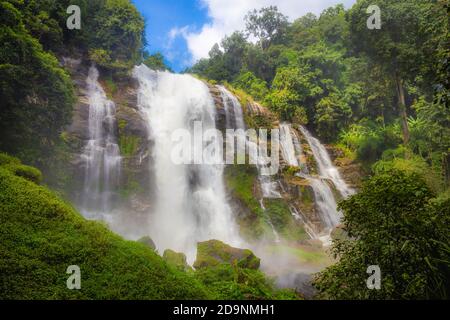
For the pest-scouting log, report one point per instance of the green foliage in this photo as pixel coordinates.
(229, 282)
(36, 94)
(30, 173)
(128, 144)
(14, 165)
(42, 236)
(232, 273)
(176, 259)
(155, 61)
(401, 160)
(214, 252)
(241, 179)
(393, 223)
(267, 24)
(370, 140)
(280, 215)
(117, 28)
(248, 82)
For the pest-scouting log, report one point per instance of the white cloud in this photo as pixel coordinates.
(228, 16)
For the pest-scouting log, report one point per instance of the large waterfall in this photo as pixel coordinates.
(101, 154)
(191, 204)
(324, 199)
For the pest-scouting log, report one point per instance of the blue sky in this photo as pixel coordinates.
(184, 30)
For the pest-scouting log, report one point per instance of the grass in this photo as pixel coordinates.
(41, 235)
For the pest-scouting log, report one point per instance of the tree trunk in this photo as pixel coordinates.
(402, 108)
(446, 167)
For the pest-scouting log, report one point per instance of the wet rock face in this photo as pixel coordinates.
(131, 134)
(220, 108)
(214, 252)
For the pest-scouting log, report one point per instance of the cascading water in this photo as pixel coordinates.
(324, 198)
(191, 204)
(287, 145)
(234, 115)
(235, 120)
(325, 165)
(101, 154)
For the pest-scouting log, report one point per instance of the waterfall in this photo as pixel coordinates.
(287, 145)
(292, 153)
(191, 205)
(235, 118)
(101, 154)
(325, 165)
(233, 109)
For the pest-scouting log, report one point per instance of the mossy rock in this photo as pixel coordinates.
(17, 168)
(148, 242)
(214, 252)
(7, 159)
(176, 259)
(280, 215)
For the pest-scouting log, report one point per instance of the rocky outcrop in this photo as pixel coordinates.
(220, 108)
(131, 132)
(214, 252)
(148, 242)
(176, 259)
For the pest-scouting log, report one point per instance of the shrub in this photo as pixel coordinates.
(30, 173)
(393, 223)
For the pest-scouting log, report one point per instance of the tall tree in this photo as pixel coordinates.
(397, 46)
(267, 24)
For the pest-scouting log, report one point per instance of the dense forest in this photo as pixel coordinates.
(380, 96)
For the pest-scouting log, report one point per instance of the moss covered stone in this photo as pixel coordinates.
(214, 252)
(17, 168)
(148, 242)
(176, 259)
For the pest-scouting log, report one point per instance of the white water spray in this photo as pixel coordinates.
(191, 204)
(101, 153)
(325, 165)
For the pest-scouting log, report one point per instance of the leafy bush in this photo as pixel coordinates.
(393, 223)
(412, 164)
(230, 282)
(370, 140)
(30, 173)
(255, 87)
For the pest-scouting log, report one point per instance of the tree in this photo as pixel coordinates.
(398, 46)
(36, 93)
(155, 61)
(267, 24)
(395, 223)
(234, 50)
(254, 86)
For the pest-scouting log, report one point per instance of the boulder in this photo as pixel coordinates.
(176, 259)
(214, 252)
(148, 242)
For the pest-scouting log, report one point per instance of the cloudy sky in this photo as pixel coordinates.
(185, 30)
